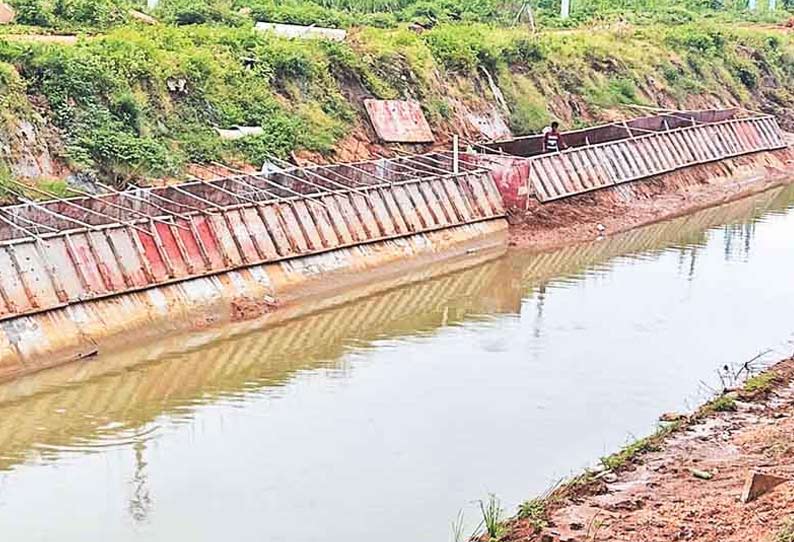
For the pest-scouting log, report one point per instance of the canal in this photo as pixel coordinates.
(381, 419)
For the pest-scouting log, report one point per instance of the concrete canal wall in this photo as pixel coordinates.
(84, 275)
(585, 167)
(266, 294)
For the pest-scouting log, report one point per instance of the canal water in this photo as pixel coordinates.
(381, 419)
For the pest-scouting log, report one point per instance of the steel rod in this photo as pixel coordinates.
(76, 206)
(308, 197)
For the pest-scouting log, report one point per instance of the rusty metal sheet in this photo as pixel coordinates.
(105, 260)
(57, 257)
(367, 218)
(170, 250)
(209, 241)
(351, 218)
(153, 253)
(590, 167)
(337, 221)
(434, 203)
(409, 210)
(277, 230)
(478, 192)
(14, 289)
(545, 181)
(324, 227)
(399, 121)
(400, 225)
(646, 156)
(259, 233)
(477, 212)
(294, 228)
(227, 243)
(420, 205)
(242, 235)
(127, 257)
(381, 213)
(458, 199)
(85, 262)
(309, 227)
(194, 249)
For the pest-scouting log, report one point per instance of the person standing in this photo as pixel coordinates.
(552, 138)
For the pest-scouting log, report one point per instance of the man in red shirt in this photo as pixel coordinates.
(552, 138)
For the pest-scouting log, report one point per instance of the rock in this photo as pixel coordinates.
(757, 484)
(576, 526)
(702, 474)
(672, 417)
(607, 476)
(142, 17)
(6, 13)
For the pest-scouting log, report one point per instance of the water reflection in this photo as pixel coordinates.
(380, 418)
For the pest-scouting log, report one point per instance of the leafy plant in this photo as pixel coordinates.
(534, 511)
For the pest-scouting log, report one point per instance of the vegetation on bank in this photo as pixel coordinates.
(103, 14)
(536, 512)
(134, 101)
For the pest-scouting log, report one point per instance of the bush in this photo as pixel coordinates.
(33, 12)
(191, 12)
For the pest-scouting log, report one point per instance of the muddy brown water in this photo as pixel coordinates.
(381, 419)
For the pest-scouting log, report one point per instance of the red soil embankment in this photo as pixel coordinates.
(657, 497)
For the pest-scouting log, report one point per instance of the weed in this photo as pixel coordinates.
(723, 403)
(457, 527)
(786, 532)
(629, 452)
(534, 511)
(491, 510)
(760, 383)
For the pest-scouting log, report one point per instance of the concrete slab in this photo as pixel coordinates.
(6, 13)
(399, 121)
(294, 31)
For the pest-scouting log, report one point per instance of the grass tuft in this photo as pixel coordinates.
(786, 532)
(723, 403)
(534, 511)
(760, 383)
(491, 510)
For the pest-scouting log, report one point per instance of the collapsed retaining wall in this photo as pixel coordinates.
(265, 293)
(85, 274)
(578, 170)
(76, 265)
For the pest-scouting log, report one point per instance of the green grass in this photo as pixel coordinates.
(723, 403)
(491, 510)
(760, 383)
(631, 451)
(628, 453)
(786, 532)
(138, 102)
(534, 511)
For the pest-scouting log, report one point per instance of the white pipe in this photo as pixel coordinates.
(565, 8)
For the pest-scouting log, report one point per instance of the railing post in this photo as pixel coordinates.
(455, 155)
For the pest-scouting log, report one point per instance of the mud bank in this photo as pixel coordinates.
(686, 482)
(582, 218)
